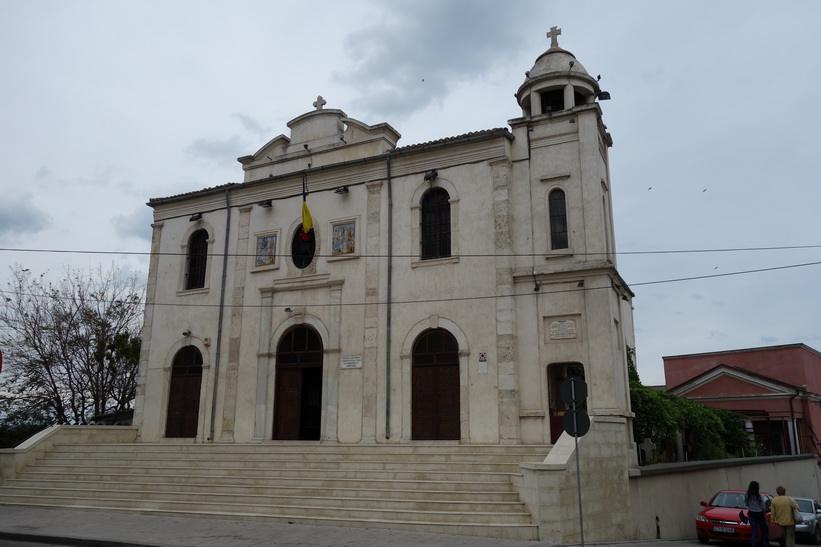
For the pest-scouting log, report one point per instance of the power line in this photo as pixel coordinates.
(455, 299)
(774, 268)
(461, 255)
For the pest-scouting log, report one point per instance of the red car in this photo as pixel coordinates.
(721, 519)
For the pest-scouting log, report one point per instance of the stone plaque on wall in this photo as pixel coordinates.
(562, 329)
(351, 361)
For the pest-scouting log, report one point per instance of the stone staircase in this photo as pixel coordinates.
(439, 488)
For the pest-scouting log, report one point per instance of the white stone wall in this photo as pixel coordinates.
(673, 492)
(551, 489)
(498, 294)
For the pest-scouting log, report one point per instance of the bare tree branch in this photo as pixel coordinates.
(72, 347)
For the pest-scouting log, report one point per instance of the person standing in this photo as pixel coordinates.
(755, 512)
(781, 507)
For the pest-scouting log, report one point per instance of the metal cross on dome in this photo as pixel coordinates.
(320, 102)
(554, 34)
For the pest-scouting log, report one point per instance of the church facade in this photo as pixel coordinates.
(352, 290)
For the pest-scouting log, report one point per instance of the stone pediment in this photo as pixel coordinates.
(728, 381)
(275, 147)
(320, 137)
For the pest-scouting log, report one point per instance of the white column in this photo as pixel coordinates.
(569, 100)
(535, 103)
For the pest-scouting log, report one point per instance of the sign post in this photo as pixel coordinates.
(573, 391)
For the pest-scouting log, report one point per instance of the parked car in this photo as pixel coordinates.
(725, 518)
(810, 529)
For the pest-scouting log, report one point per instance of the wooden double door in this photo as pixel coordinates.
(184, 394)
(298, 386)
(435, 405)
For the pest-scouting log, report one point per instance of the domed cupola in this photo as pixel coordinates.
(556, 82)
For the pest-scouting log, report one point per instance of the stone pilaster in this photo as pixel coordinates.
(148, 322)
(229, 407)
(371, 343)
(507, 366)
(261, 413)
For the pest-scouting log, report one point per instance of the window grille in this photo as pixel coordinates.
(558, 220)
(435, 224)
(197, 260)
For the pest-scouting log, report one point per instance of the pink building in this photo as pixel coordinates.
(778, 388)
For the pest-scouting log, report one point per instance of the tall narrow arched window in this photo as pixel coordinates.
(197, 260)
(558, 220)
(435, 224)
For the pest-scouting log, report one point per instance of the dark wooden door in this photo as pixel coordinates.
(287, 403)
(298, 390)
(184, 394)
(435, 387)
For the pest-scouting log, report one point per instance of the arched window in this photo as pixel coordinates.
(558, 220)
(553, 101)
(197, 260)
(184, 393)
(435, 224)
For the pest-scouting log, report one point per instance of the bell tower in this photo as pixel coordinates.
(581, 306)
(568, 147)
(580, 314)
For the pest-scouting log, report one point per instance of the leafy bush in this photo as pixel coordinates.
(708, 433)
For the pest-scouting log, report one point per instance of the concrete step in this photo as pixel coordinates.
(112, 470)
(473, 488)
(199, 506)
(369, 490)
(305, 447)
(259, 455)
(487, 529)
(161, 493)
(440, 488)
(234, 462)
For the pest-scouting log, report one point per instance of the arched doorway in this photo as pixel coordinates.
(184, 393)
(298, 396)
(435, 387)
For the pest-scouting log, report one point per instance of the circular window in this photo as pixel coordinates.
(303, 248)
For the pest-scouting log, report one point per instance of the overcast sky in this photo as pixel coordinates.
(714, 117)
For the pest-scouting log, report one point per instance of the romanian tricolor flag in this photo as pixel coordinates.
(307, 221)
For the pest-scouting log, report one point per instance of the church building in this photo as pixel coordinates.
(363, 333)
(354, 290)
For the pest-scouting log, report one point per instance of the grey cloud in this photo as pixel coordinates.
(219, 151)
(416, 58)
(19, 216)
(253, 126)
(43, 173)
(136, 225)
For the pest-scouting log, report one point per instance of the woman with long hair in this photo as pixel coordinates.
(755, 512)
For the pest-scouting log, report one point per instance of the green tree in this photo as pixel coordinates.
(708, 433)
(71, 347)
(19, 422)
